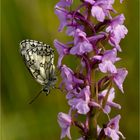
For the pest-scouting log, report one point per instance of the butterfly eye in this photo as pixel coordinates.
(46, 90)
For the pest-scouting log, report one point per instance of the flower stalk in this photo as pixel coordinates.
(90, 91)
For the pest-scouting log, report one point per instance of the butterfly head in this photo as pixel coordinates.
(51, 84)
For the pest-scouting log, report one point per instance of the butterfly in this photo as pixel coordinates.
(39, 59)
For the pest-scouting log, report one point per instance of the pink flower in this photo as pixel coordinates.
(101, 8)
(107, 61)
(81, 43)
(64, 3)
(62, 50)
(112, 129)
(98, 12)
(65, 121)
(81, 102)
(110, 99)
(62, 15)
(119, 77)
(68, 78)
(116, 31)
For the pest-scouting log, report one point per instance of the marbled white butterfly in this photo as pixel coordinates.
(39, 59)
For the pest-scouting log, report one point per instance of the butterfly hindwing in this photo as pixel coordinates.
(39, 59)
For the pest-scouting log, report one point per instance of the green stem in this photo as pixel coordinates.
(96, 92)
(93, 115)
(93, 125)
(92, 134)
(107, 94)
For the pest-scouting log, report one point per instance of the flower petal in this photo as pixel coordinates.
(98, 13)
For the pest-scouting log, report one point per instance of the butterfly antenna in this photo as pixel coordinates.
(35, 97)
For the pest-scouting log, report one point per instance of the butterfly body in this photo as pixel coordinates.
(39, 59)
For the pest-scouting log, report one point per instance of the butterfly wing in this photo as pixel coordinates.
(39, 59)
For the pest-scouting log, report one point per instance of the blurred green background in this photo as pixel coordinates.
(35, 19)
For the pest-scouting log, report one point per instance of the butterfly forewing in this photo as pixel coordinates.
(39, 59)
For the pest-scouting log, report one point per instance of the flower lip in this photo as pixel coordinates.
(69, 79)
(62, 15)
(81, 43)
(119, 78)
(111, 129)
(116, 31)
(110, 99)
(65, 121)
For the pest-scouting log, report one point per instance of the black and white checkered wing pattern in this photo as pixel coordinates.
(39, 59)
